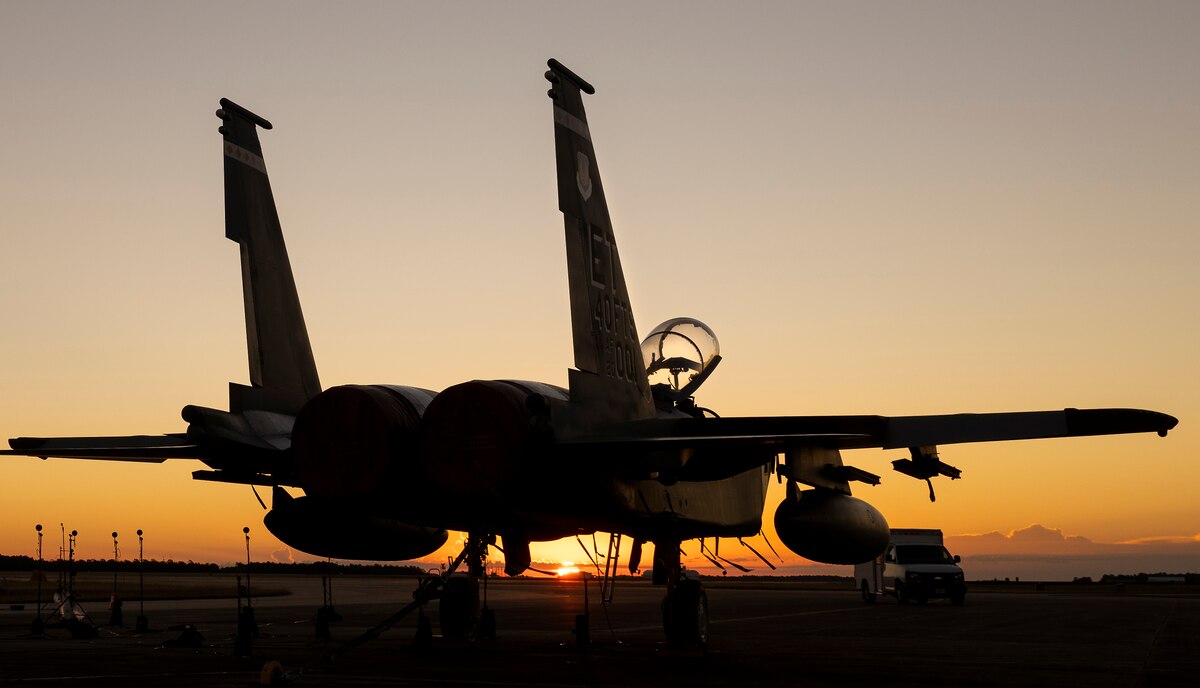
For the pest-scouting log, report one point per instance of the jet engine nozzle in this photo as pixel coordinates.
(831, 527)
(475, 437)
(353, 440)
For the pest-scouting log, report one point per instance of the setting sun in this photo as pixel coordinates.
(568, 568)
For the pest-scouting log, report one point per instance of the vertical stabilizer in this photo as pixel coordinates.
(610, 382)
(283, 374)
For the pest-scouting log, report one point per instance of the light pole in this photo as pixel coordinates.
(116, 556)
(74, 535)
(246, 532)
(115, 617)
(247, 626)
(38, 627)
(143, 624)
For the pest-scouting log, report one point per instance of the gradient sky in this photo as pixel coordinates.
(879, 208)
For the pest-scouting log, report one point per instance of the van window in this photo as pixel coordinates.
(923, 554)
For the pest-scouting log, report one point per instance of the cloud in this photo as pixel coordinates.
(1041, 534)
(1042, 553)
(1163, 539)
(1038, 539)
(283, 556)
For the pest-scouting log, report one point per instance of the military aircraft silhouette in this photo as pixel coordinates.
(387, 470)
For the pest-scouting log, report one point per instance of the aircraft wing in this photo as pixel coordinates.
(917, 431)
(720, 447)
(859, 432)
(139, 448)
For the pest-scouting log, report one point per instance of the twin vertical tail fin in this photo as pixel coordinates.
(283, 374)
(609, 383)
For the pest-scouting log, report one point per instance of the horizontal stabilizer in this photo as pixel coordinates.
(141, 448)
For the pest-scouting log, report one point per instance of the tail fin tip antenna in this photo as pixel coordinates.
(556, 66)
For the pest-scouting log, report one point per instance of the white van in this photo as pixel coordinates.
(915, 566)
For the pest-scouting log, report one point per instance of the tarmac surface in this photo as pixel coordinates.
(817, 635)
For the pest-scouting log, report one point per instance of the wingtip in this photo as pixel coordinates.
(1166, 424)
(1114, 421)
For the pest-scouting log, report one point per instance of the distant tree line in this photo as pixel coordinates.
(1188, 578)
(330, 567)
(26, 563)
(814, 578)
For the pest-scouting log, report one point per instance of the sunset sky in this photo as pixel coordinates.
(891, 208)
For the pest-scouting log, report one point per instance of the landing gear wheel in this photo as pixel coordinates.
(901, 593)
(685, 614)
(867, 595)
(458, 610)
(487, 624)
(271, 674)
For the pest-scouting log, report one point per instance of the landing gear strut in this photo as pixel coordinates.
(685, 614)
(685, 607)
(459, 612)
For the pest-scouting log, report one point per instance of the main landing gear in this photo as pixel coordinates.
(460, 614)
(462, 618)
(685, 606)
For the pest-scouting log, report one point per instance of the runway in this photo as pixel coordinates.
(818, 635)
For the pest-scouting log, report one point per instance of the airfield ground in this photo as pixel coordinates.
(805, 634)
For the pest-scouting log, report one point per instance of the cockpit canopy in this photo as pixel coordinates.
(680, 353)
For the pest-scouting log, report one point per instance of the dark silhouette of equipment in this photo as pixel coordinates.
(583, 628)
(247, 627)
(326, 614)
(189, 637)
(115, 616)
(73, 616)
(143, 624)
(39, 627)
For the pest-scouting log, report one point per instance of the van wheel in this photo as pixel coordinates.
(901, 593)
(867, 595)
(958, 599)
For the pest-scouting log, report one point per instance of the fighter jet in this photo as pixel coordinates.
(387, 470)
